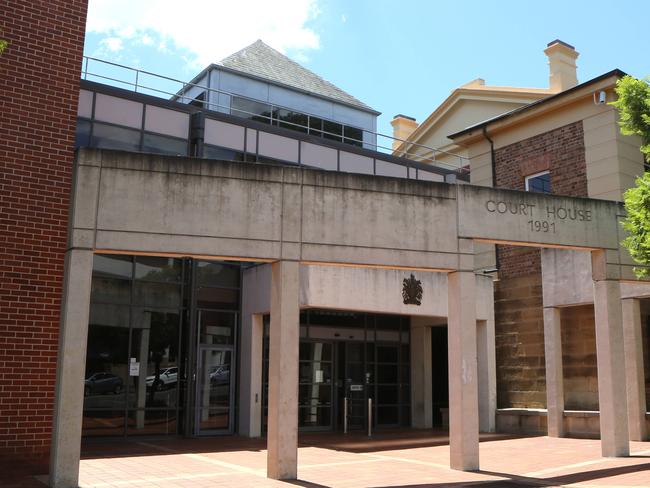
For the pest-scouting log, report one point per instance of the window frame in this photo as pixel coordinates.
(535, 175)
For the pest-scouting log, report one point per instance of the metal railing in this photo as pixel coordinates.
(162, 86)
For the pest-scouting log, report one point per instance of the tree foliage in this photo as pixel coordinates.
(633, 104)
(637, 223)
(3, 45)
(634, 107)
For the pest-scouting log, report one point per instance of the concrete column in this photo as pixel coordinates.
(282, 436)
(634, 374)
(554, 371)
(612, 397)
(250, 380)
(421, 381)
(71, 368)
(463, 387)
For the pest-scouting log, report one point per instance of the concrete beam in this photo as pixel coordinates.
(463, 386)
(71, 368)
(282, 436)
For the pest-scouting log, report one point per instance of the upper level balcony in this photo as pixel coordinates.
(134, 110)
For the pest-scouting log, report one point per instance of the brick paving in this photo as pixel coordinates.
(413, 459)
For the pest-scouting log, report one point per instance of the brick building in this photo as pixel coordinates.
(39, 75)
(565, 144)
(167, 323)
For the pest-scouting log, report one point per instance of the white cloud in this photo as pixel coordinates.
(208, 29)
(344, 19)
(113, 44)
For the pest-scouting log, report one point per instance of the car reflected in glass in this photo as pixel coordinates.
(167, 378)
(98, 383)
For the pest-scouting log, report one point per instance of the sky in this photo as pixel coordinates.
(401, 56)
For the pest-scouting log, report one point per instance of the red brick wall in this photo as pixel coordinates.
(562, 152)
(39, 80)
(518, 294)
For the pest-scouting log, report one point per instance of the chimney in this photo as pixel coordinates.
(562, 65)
(403, 127)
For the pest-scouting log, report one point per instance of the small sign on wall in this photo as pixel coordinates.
(134, 368)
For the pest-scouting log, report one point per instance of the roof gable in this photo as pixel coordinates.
(474, 90)
(262, 61)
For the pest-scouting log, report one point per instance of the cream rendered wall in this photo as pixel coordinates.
(462, 114)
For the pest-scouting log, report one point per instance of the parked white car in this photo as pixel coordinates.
(167, 379)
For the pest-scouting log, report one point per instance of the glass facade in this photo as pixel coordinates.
(350, 357)
(145, 314)
(297, 121)
(162, 354)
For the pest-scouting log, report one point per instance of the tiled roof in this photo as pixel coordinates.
(263, 61)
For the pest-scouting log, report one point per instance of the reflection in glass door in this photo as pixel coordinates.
(214, 391)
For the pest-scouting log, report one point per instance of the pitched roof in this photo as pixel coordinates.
(615, 72)
(263, 61)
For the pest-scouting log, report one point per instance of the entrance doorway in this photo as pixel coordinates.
(346, 359)
(439, 377)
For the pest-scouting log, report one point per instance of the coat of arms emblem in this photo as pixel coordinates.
(412, 291)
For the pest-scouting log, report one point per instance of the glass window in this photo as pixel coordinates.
(218, 298)
(353, 136)
(314, 417)
(112, 266)
(154, 346)
(315, 126)
(82, 138)
(106, 358)
(150, 422)
(315, 372)
(217, 274)
(332, 130)
(292, 120)
(539, 183)
(103, 423)
(315, 351)
(113, 137)
(157, 294)
(156, 268)
(217, 327)
(153, 143)
(108, 290)
(250, 109)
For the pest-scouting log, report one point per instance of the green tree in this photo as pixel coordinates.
(3, 45)
(633, 104)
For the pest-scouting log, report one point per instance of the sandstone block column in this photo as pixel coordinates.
(634, 373)
(463, 385)
(71, 368)
(554, 375)
(282, 436)
(611, 358)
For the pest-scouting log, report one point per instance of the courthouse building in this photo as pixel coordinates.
(240, 259)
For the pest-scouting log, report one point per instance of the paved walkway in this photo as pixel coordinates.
(412, 459)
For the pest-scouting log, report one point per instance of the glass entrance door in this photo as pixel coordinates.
(214, 391)
(355, 383)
